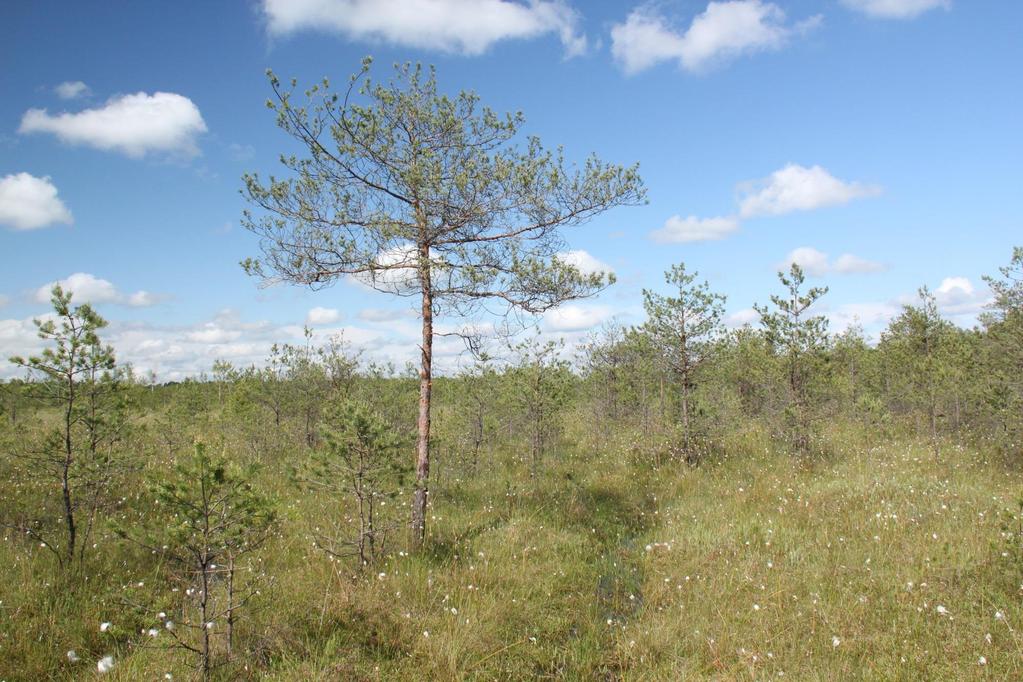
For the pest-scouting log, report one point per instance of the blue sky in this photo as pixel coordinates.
(875, 141)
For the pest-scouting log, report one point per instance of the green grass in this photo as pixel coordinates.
(606, 567)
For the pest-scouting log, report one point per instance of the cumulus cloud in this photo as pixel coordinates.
(89, 288)
(28, 202)
(798, 188)
(792, 188)
(817, 263)
(896, 9)
(872, 316)
(957, 296)
(175, 352)
(812, 261)
(677, 229)
(395, 270)
(467, 27)
(211, 332)
(320, 316)
(584, 262)
(384, 314)
(742, 317)
(71, 90)
(134, 125)
(848, 264)
(724, 31)
(572, 317)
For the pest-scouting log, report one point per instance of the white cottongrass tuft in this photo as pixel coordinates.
(103, 627)
(835, 641)
(72, 656)
(105, 664)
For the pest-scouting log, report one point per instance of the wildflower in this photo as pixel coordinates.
(105, 664)
(72, 657)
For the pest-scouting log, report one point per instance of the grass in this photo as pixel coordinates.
(877, 563)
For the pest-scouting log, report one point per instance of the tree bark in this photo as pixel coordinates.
(687, 442)
(69, 512)
(419, 500)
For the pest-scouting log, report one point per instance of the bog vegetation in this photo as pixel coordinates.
(676, 500)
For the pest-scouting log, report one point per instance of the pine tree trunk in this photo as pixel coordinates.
(687, 444)
(425, 388)
(69, 512)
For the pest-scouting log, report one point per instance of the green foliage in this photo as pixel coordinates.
(358, 465)
(800, 338)
(1009, 546)
(541, 384)
(68, 476)
(683, 328)
(414, 181)
(416, 193)
(208, 519)
(210, 508)
(1002, 356)
(918, 347)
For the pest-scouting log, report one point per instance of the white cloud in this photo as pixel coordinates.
(572, 317)
(725, 30)
(677, 229)
(584, 262)
(89, 288)
(742, 317)
(468, 27)
(396, 271)
(872, 316)
(212, 333)
(141, 299)
(817, 263)
(896, 9)
(4, 300)
(177, 352)
(813, 262)
(384, 314)
(134, 125)
(71, 90)
(28, 202)
(321, 316)
(848, 264)
(798, 188)
(958, 297)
